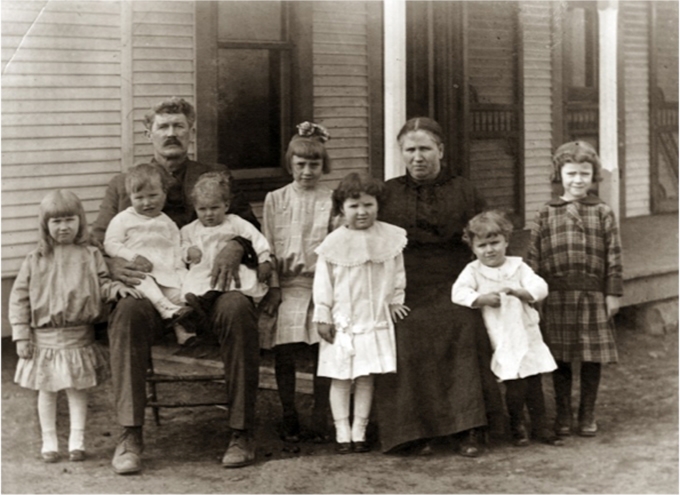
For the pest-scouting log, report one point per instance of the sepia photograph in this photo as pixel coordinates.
(339, 246)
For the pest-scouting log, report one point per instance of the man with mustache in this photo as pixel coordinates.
(134, 324)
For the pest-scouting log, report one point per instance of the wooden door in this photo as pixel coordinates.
(463, 70)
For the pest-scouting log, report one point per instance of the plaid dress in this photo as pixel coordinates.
(575, 247)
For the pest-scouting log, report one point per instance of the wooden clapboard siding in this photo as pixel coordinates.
(162, 64)
(341, 84)
(492, 79)
(61, 110)
(635, 45)
(535, 20)
(491, 45)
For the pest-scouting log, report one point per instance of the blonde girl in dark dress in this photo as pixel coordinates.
(575, 247)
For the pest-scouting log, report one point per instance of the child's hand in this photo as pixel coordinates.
(142, 264)
(326, 331)
(520, 293)
(271, 301)
(24, 349)
(492, 299)
(398, 312)
(194, 255)
(264, 271)
(613, 304)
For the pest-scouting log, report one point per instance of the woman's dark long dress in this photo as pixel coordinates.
(437, 389)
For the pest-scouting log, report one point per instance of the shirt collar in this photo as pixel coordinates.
(590, 199)
(443, 177)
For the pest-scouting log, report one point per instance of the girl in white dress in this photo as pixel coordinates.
(297, 217)
(55, 300)
(504, 288)
(146, 236)
(358, 293)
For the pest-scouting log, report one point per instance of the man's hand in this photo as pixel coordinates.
(24, 349)
(264, 272)
(94, 241)
(142, 264)
(124, 271)
(271, 301)
(326, 331)
(492, 299)
(194, 255)
(225, 267)
(613, 304)
(398, 312)
(120, 290)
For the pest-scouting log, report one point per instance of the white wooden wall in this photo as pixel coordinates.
(635, 18)
(77, 78)
(162, 56)
(535, 20)
(61, 110)
(341, 86)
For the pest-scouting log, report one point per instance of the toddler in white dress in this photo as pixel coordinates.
(146, 236)
(205, 237)
(504, 288)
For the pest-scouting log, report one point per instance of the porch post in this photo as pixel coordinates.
(395, 82)
(608, 30)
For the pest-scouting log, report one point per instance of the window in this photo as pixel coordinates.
(253, 66)
(250, 89)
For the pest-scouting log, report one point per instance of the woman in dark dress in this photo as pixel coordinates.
(443, 354)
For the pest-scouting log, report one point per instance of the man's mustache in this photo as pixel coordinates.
(172, 140)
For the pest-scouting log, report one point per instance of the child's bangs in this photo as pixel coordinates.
(60, 205)
(311, 149)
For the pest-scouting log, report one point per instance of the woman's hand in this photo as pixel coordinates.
(24, 349)
(398, 312)
(271, 301)
(326, 331)
(613, 304)
(492, 299)
(225, 267)
(264, 272)
(124, 271)
(194, 255)
(142, 264)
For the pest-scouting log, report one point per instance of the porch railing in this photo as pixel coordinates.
(491, 120)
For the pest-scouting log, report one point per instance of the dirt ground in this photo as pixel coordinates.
(636, 450)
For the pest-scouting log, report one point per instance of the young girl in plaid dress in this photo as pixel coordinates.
(575, 247)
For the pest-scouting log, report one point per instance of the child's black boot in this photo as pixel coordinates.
(562, 385)
(590, 382)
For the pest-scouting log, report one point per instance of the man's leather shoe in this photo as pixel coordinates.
(240, 452)
(127, 457)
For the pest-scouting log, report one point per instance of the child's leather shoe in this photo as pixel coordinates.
(361, 447)
(343, 447)
(76, 455)
(50, 457)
